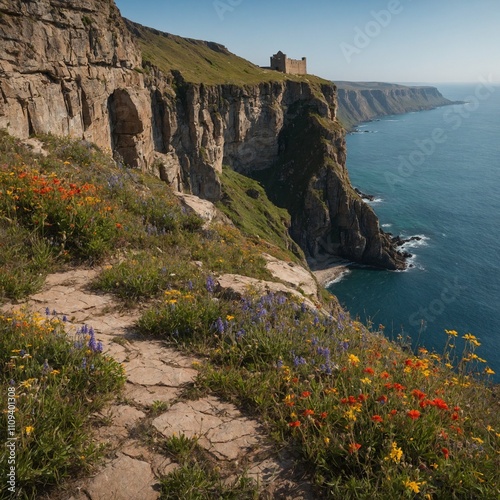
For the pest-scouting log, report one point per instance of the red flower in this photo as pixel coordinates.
(377, 418)
(118, 226)
(455, 416)
(439, 403)
(350, 400)
(384, 375)
(354, 447)
(413, 414)
(324, 414)
(446, 453)
(393, 412)
(294, 424)
(409, 362)
(418, 394)
(382, 399)
(305, 394)
(369, 370)
(295, 380)
(362, 397)
(398, 387)
(424, 402)
(306, 413)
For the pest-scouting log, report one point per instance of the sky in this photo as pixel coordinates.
(393, 41)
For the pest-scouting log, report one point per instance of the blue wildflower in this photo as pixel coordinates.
(47, 311)
(219, 326)
(99, 346)
(210, 284)
(84, 363)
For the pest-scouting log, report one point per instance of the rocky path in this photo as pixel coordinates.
(156, 404)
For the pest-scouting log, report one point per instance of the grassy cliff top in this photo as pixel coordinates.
(203, 62)
(375, 86)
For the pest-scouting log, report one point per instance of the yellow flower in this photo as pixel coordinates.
(489, 371)
(453, 333)
(477, 440)
(472, 339)
(395, 454)
(29, 429)
(55, 372)
(353, 359)
(229, 317)
(366, 380)
(413, 485)
(327, 440)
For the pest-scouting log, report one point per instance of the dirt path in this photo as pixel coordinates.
(157, 377)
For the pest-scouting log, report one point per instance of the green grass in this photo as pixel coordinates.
(246, 203)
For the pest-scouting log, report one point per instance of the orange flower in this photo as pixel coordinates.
(382, 399)
(324, 414)
(393, 412)
(384, 375)
(294, 424)
(354, 447)
(118, 226)
(369, 370)
(377, 418)
(306, 413)
(455, 416)
(305, 394)
(439, 403)
(418, 394)
(446, 453)
(413, 414)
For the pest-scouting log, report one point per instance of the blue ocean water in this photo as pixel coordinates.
(435, 174)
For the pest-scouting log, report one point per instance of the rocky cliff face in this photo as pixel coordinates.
(68, 67)
(72, 68)
(361, 102)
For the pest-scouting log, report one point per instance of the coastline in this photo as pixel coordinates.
(329, 270)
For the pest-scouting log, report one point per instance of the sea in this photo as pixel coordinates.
(435, 175)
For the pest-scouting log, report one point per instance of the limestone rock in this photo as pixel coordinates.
(124, 479)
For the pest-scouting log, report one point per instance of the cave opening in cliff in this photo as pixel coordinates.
(125, 126)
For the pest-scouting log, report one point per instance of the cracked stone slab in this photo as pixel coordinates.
(219, 427)
(147, 395)
(124, 479)
(125, 415)
(160, 375)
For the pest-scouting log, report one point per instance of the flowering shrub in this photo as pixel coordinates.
(58, 381)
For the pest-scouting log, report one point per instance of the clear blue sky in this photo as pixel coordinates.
(408, 41)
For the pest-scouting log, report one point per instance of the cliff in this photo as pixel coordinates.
(182, 108)
(361, 102)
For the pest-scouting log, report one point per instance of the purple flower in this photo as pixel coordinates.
(84, 363)
(240, 333)
(65, 318)
(99, 346)
(47, 311)
(219, 326)
(299, 360)
(210, 284)
(279, 364)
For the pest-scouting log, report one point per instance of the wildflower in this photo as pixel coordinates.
(365, 380)
(384, 375)
(326, 440)
(413, 414)
(413, 485)
(210, 284)
(395, 454)
(229, 317)
(489, 371)
(369, 370)
(377, 418)
(324, 414)
(29, 429)
(55, 372)
(354, 447)
(472, 339)
(305, 394)
(477, 440)
(353, 359)
(452, 333)
(446, 453)
(296, 423)
(439, 403)
(307, 413)
(418, 394)
(219, 326)
(289, 399)
(382, 399)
